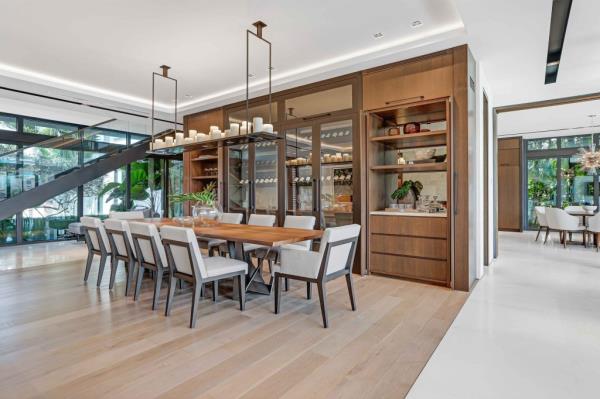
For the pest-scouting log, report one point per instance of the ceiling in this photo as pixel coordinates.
(109, 48)
(559, 120)
(510, 40)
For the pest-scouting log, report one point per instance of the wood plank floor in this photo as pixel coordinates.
(62, 339)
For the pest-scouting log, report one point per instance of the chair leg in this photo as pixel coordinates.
(564, 239)
(114, 264)
(277, 289)
(195, 299)
(130, 274)
(170, 294)
(308, 290)
(287, 284)
(157, 283)
(538, 233)
(323, 300)
(103, 260)
(215, 290)
(547, 234)
(138, 283)
(351, 290)
(88, 266)
(241, 286)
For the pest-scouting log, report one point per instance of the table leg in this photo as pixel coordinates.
(255, 282)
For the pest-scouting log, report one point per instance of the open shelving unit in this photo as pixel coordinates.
(414, 246)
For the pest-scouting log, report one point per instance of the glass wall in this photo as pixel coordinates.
(140, 185)
(554, 174)
(105, 194)
(542, 182)
(175, 186)
(50, 220)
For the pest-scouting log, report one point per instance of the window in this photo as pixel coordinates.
(50, 220)
(8, 123)
(8, 170)
(135, 138)
(106, 136)
(41, 165)
(146, 183)
(576, 141)
(47, 128)
(105, 194)
(8, 230)
(541, 185)
(542, 144)
(175, 186)
(577, 187)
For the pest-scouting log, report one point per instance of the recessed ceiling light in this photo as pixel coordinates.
(188, 96)
(416, 24)
(250, 75)
(378, 35)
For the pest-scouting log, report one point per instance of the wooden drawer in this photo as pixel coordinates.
(415, 80)
(411, 246)
(415, 226)
(413, 268)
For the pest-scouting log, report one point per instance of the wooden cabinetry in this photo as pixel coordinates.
(411, 247)
(509, 181)
(419, 79)
(204, 166)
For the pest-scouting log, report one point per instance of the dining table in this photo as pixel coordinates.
(583, 214)
(236, 235)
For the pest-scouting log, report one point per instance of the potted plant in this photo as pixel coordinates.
(204, 210)
(408, 192)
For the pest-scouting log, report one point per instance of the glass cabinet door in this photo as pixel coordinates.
(336, 178)
(265, 177)
(238, 182)
(299, 182)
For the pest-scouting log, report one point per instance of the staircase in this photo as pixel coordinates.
(40, 182)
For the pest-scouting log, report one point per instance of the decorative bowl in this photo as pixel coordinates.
(423, 154)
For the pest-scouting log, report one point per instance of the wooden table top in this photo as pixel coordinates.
(261, 235)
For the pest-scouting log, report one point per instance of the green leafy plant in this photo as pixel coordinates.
(207, 196)
(140, 188)
(406, 187)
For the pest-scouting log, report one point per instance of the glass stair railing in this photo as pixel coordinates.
(28, 168)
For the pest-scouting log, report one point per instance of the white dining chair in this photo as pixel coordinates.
(272, 254)
(334, 259)
(258, 220)
(559, 220)
(97, 243)
(151, 255)
(540, 215)
(122, 249)
(186, 263)
(129, 215)
(593, 229)
(218, 246)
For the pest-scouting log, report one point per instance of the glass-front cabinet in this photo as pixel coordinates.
(253, 168)
(321, 185)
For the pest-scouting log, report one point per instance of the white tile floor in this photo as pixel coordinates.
(16, 257)
(530, 329)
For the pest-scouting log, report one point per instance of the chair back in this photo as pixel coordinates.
(338, 247)
(301, 222)
(183, 252)
(147, 244)
(95, 234)
(119, 237)
(231, 218)
(126, 215)
(559, 219)
(594, 223)
(540, 214)
(261, 220)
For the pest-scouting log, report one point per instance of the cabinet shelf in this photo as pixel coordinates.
(413, 140)
(419, 167)
(323, 164)
(205, 158)
(204, 177)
